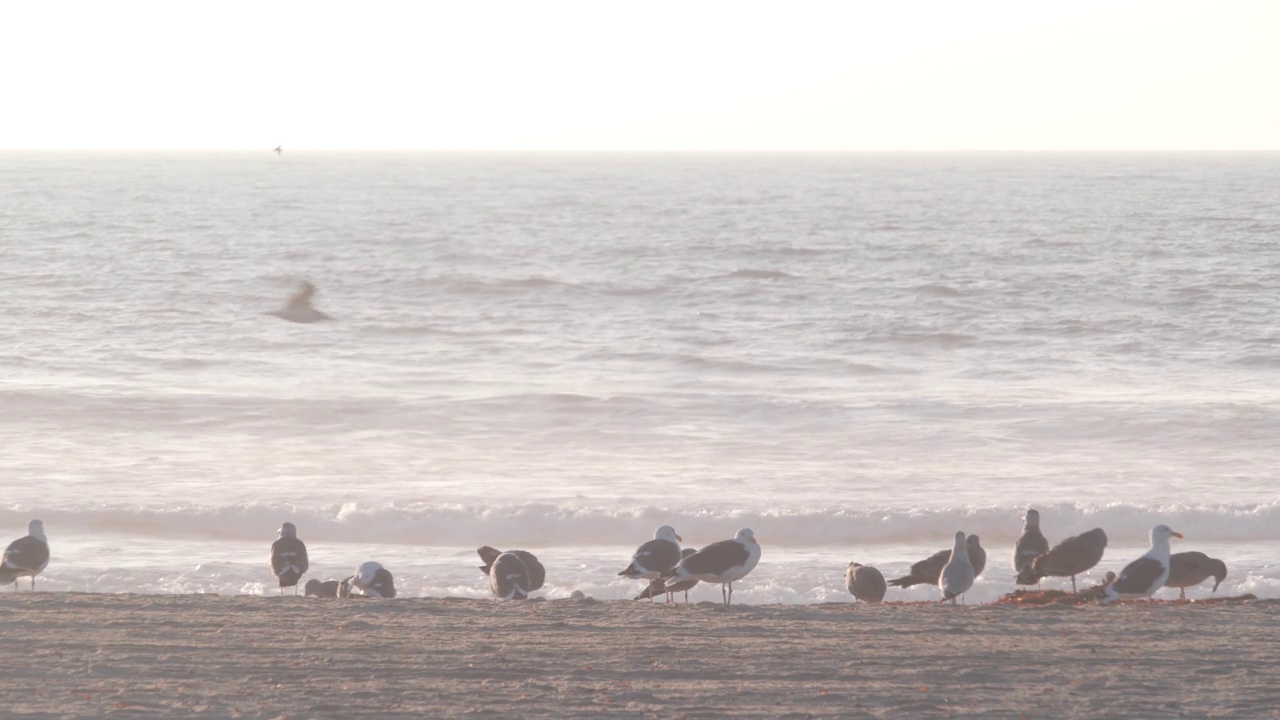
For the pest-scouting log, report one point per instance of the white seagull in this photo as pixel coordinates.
(374, 581)
(720, 562)
(957, 575)
(1142, 577)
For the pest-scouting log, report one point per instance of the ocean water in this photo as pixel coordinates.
(854, 355)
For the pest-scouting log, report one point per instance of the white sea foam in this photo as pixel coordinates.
(580, 525)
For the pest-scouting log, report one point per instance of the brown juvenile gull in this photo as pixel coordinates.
(509, 578)
(537, 573)
(958, 574)
(658, 586)
(288, 558)
(299, 309)
(1147, 574)
(1068, 558)
(1192, 568)
(929, 570)
(720, 562)
(864, 583)
(1031, 544)
(373, 580)
(655, 557)
(25, 556)
(326, 589)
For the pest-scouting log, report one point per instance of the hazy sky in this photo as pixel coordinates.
(611, 75)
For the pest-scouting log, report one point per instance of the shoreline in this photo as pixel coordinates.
(83, 655)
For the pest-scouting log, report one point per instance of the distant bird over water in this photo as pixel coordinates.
(279, 149)
(299, 309)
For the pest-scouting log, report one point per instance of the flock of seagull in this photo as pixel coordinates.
(514, 574)
(955, 570)
(669, 569)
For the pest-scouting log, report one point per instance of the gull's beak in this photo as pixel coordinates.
(679, 539)
(1178, 535)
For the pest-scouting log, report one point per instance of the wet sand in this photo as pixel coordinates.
(71, 655)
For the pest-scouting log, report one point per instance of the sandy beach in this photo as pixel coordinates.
(71, 655)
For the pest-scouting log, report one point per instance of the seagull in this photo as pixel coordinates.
(864, 583)
(509, 578)
(537, 574)
(658, 586)
(1031, 544)
(656, 556)
(326, 589)
(279, 149)
(1192, 568)
(288, 558)
(299, 309)
(1147, 574)
(25, 556)
(929, 570)
(957, 575)
(374, 580)
(1070, 557)
(720, 562)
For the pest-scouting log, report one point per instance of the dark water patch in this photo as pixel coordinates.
(1256, 361)
(474, 286)
(940, 290)
(760, 275)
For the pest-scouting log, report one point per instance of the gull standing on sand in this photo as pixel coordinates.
(720, 562)
(299, 309)
(537, 573)
(25, 556)
(958, 574)
(656, 556)
(374, 580)
(509, 578)
(1030, 545)
(1070, 557)
(929, 570)
(1192, 568)
(864, 583)
(1147, 574)
(288, 557)
(658, 586)
(326, 589)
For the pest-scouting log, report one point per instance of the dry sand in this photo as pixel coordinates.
(163, 656)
